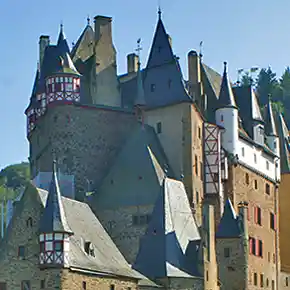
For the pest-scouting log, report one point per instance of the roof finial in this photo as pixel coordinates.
(159, 11)
(88, 20)
(139, 48)
(225, 67)
(61, 26)
(200, 49)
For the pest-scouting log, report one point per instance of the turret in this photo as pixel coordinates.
(227, 115)
(63, 82)
(272, 137)
(54, 231)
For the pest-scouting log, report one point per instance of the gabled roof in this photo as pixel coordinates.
(54, 218)
(87, 228)
(270, 126)
(283, 134)
(172, 228)
(86, 39)
(226, 96)
(229, 224)
(137, 173)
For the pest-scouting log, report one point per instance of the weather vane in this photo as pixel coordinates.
(200, 48)
(139, 48)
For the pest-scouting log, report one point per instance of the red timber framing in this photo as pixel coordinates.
(213, 189)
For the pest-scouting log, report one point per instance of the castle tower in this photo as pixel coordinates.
(54, 229)
(227, 115)
(272, 137)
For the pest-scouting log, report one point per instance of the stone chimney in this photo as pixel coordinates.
(132, 63)
(194, 73)
(103, 28)
(44, 41)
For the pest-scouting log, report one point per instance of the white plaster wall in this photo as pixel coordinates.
(257, 159)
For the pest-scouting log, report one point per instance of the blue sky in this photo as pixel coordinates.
(252, 33)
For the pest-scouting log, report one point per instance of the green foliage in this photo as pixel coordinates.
(247, 79)
(13, 179)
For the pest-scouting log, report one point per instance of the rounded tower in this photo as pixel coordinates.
(227, 115)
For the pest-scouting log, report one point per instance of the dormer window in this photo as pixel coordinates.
(89, 249)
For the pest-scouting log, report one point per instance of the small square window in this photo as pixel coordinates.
(255, 279)
(247, 177)
(261, 280)
(272, 221)
(21, 251)
(58, 246)
(227, 252)
(159, 128)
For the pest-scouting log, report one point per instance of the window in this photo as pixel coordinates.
(42, 284)
(42, 247)
(159, 128)
(267, 165)
(227, 252)
(256, 184)
(68, 87)
(275, 144)
(267, 188)
(255, 279)
(140, 220)
(243, 151)
(260, 252)
(152, 87)
(247, 177)
(58, 246)
(29, 222)
(199, 133)
(255, 158)
(196, 165)
(252, 246)
(197, 197)
(258, 215)
(222, 118)
(206, 275)
(273, 285)
(272, 221)
(201, 170)
(267, 282)
(112, 287)
(25, 285)
(21, 251)
(261, 280)
(84, 285)
(286, 281)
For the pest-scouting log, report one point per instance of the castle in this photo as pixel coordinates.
(178, 184)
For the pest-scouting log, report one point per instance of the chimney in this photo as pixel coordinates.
(43, 43)
(103, 28)
(132, 63)
(169, 39)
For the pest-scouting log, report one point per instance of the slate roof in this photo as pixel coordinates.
(283, 134)
(54, 218)
(170, 231)
(226, 96)
(86, 227)
(137, 173)
(229, 224)
(249, 109)
(62, 43)
(162, 78)
(270, 126)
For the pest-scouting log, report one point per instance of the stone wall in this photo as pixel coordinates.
(74, 281)
(85, 139)
(119, 224)
(181, 283)
(246, 185)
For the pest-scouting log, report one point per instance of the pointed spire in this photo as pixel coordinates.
(61, 42)
(159, 12)
(270, 126)
(229, 224)
(88, 21)
(53, 219)
(226, 96)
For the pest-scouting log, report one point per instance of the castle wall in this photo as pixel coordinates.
(85, 140)
(183, 283)
(245, 185)
(284, 227)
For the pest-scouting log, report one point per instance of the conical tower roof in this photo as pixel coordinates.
(229, 224)
(226, 96)
(62, 43)
(54, 219)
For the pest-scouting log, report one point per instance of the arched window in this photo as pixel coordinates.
(29, 222)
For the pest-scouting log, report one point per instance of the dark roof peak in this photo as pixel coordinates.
(53, 218)
(226, 96)
(61, 42)
(270, 126)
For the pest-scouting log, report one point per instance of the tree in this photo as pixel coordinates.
(267, 84)
(247, 80)
(285, 85)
